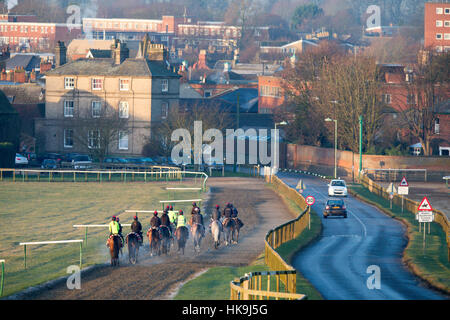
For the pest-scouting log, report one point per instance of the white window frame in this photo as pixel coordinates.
(93, 138)
(69, 83)
(95, 84)
(123, 138)
(165, 85)
(447, 11)
(447, 23)
(96, 113)
(446, 36)
(439, 23)
(67, 137)
(439, 10)
(124, 84)
(68, 108)
(439, 34)
(164, 109)
(122, 114)
(387, 98)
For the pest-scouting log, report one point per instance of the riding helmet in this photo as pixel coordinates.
(135, 217)
(171, 208)
(156, 212)
(217, 206)
(181, 211)
(113, 218)
(194, 204)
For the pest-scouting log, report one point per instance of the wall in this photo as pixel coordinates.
(304, 157)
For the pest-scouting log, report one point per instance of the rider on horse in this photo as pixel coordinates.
(216, 213)
(172, 215)
(136, 227)
(197, 217)
(113, 229)
(155, 222)
(227, 212)
(234, 215)
(120, 230)
(165, 220)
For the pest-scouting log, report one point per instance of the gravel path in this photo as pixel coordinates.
(157, 277)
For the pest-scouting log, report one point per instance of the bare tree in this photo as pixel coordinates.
(100, 133)
(428, 86)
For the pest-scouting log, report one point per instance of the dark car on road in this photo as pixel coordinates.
(335, 207)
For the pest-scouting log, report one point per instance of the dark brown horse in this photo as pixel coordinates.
(165, 239)
(182, 234)
(114, 247)
(238, 224)
(155, 241)
(228, 227)
(133, 247)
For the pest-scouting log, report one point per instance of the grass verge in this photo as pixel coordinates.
(429, 262)
(42, 211)
(215, 283)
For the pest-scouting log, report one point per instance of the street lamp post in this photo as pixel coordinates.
(283, 123)
(335, 144)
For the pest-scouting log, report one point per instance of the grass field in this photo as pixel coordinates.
(42, 211)
(429, 262)
(215, 283)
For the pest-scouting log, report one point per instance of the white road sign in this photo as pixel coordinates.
(426, 216)
(403, 190)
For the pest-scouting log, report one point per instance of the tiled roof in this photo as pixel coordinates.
(105, 67)
(28, 62)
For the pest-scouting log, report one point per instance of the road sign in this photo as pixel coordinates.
(403, 190)
(425, 216)
(310, 200)
(425, 205)
(300, 185)
(404, 183)
(391, 188)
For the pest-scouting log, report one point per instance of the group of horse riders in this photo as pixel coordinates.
(177, 219)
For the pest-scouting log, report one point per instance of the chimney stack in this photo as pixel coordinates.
(60, 54)
(120, 52)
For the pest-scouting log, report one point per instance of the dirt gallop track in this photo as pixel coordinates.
(156, 277)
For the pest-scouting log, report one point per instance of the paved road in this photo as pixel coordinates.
(337, 263)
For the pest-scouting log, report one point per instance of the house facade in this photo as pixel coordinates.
(139, 92)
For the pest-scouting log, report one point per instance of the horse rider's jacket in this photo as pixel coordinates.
(216, 214)
(155, 222)
(114, 227)
(172, 216)
(181, 221)
(227, 212)
(136, 227)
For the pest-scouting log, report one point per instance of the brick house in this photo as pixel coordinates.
(437, 26)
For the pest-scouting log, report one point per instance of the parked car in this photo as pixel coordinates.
(21, 160)
(82, 162)
(70, 156)
(56, 156)
(335, 207)
(148, 161)
(337, 187)
(49, 164)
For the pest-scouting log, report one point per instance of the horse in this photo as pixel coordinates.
(182, 234)
(228, 226)
(155, 243)
(216, 228)
(238, 224)
(114, 247)
(197, 235)
(132, 240)
(165, 239)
